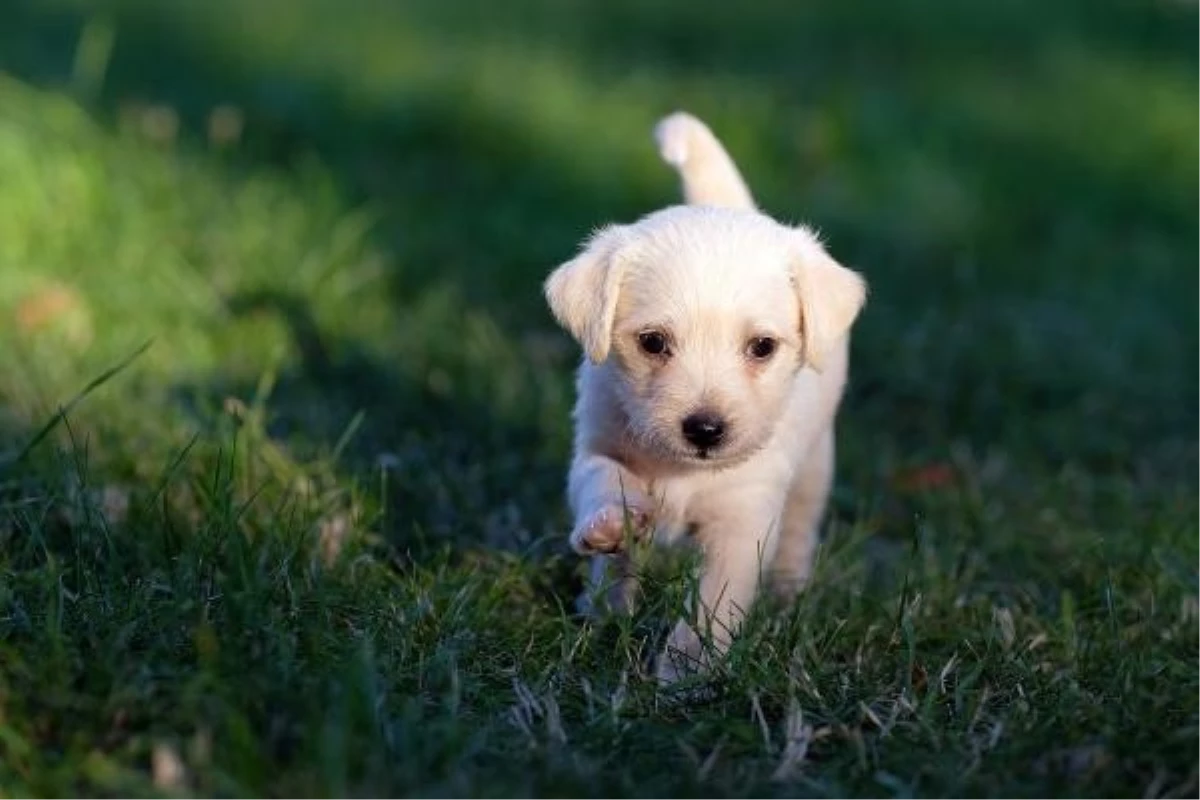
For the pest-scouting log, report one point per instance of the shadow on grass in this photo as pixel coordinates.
(457, 473)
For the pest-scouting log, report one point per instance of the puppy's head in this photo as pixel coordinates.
(702, 317)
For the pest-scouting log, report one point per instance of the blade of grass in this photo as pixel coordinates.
(92, 386)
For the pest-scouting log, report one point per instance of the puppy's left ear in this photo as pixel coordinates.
(830, 298)
(583, 292)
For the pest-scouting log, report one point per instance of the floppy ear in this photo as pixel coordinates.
(830, 298)
(582, 293)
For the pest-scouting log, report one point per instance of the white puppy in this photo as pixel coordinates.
(716, 349)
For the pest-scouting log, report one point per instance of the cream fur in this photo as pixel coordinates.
(710, 277)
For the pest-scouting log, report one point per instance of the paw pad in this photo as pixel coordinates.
(604, 531)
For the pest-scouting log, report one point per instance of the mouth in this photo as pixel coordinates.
(720, 457)
(711, 456)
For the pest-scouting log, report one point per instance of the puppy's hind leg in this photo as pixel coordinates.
(612, 587)
(805, 508)
(708, 174)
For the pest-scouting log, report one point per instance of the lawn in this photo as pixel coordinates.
(284, 422)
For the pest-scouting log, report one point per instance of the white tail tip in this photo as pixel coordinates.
(675, 135)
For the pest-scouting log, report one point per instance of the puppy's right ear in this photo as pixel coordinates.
(582, 293)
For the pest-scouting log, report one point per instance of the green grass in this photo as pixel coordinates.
(330, 221)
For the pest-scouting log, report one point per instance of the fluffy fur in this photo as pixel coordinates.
(716, 349)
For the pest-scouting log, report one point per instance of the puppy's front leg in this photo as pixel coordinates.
(607, 500)
(737, 546)
(604, 497)
(802, 517)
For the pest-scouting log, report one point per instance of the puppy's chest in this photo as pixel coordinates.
(679, 504)
(691, 502)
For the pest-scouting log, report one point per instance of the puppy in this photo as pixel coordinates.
(715, 344)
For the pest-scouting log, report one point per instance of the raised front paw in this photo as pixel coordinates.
(605, 529)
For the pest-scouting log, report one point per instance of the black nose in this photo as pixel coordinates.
(704, 429)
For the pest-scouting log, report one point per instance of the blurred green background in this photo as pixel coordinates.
(332, 219)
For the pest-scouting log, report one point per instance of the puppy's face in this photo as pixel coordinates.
(702, 318)
(704, 356)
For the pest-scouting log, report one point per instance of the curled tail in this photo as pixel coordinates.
(708, 174)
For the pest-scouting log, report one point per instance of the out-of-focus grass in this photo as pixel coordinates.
(331, 221)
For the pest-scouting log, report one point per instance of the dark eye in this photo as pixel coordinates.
(653, 343)
(760, 348)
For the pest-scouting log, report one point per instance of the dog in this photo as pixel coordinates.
(715, 354)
